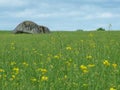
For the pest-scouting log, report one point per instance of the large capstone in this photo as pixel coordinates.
(30, 27)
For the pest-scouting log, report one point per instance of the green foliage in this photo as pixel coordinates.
(100, 29)
(60, 61)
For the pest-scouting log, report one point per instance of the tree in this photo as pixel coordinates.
(100, 29)
(79, 30)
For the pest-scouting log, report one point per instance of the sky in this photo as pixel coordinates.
(61, 14)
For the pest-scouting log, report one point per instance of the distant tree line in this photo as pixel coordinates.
(98, 29)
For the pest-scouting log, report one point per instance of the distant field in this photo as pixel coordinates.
(60, 61)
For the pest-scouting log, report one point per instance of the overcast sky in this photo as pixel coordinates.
(61, 14)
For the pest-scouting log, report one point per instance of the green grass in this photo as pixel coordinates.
(60, 61)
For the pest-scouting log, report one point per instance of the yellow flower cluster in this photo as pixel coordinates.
(16, 70)
(106, 63)
(44, 78)
(43, 70)
(84, 68)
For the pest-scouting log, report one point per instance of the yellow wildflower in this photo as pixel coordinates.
(33, 79)
(83, 67)
(106, 62)
(2, 70)
(56, 56)
(68, 63)
(13, 63)
(25, 64)
(114, 65)
(112, 88)
(16, 70)
(65, 76)
(91, 65)
(44, 78)
(12, 77)
(42, 70)
(85, 71)
(89, 57)
(68, 48)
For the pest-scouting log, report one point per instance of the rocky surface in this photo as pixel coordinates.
(30, 27)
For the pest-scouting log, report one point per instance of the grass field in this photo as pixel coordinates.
(60, 61)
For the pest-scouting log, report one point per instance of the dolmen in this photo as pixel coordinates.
(30, 28)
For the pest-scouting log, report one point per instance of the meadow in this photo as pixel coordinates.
(86, 60)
